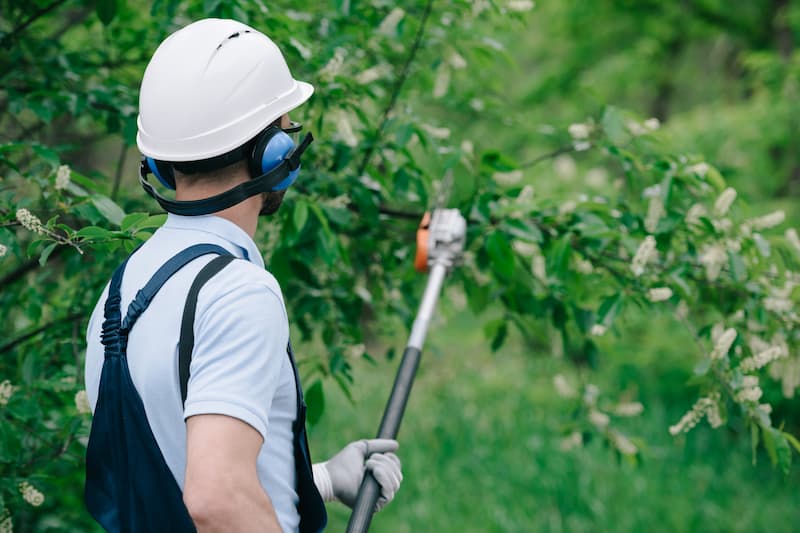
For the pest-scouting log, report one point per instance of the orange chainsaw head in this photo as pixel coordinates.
(421, 258)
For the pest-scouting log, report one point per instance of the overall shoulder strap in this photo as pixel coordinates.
(186, 343)
(167, 270)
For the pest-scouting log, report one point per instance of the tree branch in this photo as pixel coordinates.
(544, 157)
(398, 85)
(42, 11)
(118, 174)
(7, 347)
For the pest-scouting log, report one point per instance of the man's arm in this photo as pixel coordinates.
(222, 491)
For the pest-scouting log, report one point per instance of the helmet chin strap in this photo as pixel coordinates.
(260, 184)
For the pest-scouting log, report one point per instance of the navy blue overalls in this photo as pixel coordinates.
(129, 487)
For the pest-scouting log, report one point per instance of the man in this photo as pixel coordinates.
(213, 125)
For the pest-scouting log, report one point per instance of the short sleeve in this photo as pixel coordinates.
(240, 348)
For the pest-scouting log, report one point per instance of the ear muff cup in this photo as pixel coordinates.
(162, 171)
(271, 148)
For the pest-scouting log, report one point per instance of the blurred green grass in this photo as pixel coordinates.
(480, 443)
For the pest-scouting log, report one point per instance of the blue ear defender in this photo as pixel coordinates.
(271, 149)
(273, 161)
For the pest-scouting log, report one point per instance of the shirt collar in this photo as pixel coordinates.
(222, 228)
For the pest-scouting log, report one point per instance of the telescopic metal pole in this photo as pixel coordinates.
(443, 252)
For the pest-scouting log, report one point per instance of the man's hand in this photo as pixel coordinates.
(340, 477)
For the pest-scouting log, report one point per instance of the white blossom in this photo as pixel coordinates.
(567, 207)
(539, 269)
(388, 25)
(62, 177)
(793, 239)
(597, 177)
(477, 104)
(598, 330)
(644, 255)
(435, 132)
(334, 65)
(29, 221)
(584, 266)
(590, 394)
(635, 128)
(344, 130)
(82, 402)
(579, 131)
(659, 294)
(769, 221)
(599, 419)
(563, 388)
(749, 394)
(723, 344)
(373, 73)
(6, 390)
(3, 250)
(762, 359)
(701, 169)
(525, 195)
(652, 124)
(457, 61)
(778, 305)
(713, 258)
(708, 405)
(507, 178)
(442, 81)
(523, 248)
(30, 494)
(724, 201)
(573, 440)
(695, 212)
(520, 5)
(6, 524)
(655, 210)
(629, 409)
(565, 166)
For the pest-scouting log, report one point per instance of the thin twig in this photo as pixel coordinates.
(41, 329)
(34, 16)
(398, 85)
(544, 157)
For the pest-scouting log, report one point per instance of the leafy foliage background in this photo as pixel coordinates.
(583, 209)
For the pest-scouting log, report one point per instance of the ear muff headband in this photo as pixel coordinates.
(265, 182)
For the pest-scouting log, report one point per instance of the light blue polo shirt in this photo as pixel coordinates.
(239, 365)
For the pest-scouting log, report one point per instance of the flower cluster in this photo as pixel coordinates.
(645, 254)
(30, 494)
(63, 177)
(724, 201)
(723, 344)
(659, 294)
(30, 221)
(6, 390)
(3, 250)
(750, 391)
(82, 402)
(707, 406)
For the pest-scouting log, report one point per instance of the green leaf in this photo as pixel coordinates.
(522, 229)
(558, 258)
(93, 232)
(132, 220)
(315, 399)
(609, 309)
(792, 440)
(737, 266)
(110, 210)
(300, 215)
(46, 253)
(613, 123)
(769, 444)
(106, 10)
(495, 331)
(501, 255)
(477, 296)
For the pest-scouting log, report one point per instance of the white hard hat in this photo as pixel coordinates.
(209, 88)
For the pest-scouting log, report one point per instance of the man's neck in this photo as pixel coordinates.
(243, 214)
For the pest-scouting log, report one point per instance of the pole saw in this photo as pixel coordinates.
(440, 243)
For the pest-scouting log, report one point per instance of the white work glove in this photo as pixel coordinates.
(339, 478)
